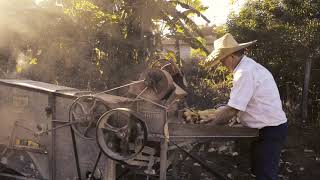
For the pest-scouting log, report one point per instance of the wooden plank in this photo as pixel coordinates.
(205, 131)
(307, 74)
(163, 159)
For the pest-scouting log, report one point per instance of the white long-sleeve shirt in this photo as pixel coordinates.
(256, 95)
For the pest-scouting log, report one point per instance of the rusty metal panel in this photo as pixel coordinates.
(154, 116)
(87, 149)
(115, 101)
(35, 85)
(27, 107)
(22, 114)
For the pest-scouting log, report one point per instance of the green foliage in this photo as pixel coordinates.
(207, 87)
(92, 44)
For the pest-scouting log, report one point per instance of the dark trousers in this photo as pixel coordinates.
(266, 151)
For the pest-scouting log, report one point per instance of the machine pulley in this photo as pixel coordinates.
(84, 113)
(157, 85)
(121, 134)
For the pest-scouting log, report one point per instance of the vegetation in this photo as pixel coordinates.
(92, 44)
(99, 44)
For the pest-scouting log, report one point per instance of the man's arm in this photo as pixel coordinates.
(220, 116)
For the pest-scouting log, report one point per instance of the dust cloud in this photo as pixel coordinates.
(41, 42)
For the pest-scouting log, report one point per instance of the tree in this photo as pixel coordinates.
(94, 44)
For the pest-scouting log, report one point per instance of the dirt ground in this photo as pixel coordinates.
(300, 159)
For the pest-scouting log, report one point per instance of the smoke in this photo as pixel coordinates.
(21, 29)
(15, 18)
(40, 41)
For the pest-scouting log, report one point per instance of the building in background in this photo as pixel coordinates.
(185, 48)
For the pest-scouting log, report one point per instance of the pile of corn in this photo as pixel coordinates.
(192, 116)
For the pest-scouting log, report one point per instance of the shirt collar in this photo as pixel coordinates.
(240, 63)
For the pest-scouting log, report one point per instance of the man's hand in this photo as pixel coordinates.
(221, 115)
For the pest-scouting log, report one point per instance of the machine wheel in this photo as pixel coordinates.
(121, 134)
(84, 114)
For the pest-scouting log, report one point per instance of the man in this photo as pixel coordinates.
(255, 100)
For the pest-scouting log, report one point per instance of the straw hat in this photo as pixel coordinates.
(223, 47)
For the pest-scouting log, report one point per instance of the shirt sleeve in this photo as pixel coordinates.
(242, 90)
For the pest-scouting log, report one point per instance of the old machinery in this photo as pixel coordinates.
(121, 134)
(84, 113)
(157, 85)
(64, 133)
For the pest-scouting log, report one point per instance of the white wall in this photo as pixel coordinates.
(185, 49)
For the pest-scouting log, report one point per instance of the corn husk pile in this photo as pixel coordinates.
(192, 116)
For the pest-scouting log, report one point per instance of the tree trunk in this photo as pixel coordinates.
(177, 47)
(307, 74)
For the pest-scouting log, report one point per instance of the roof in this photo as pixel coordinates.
(46, 87)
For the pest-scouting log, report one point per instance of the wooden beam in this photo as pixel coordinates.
(307, 74)
(205, 131)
